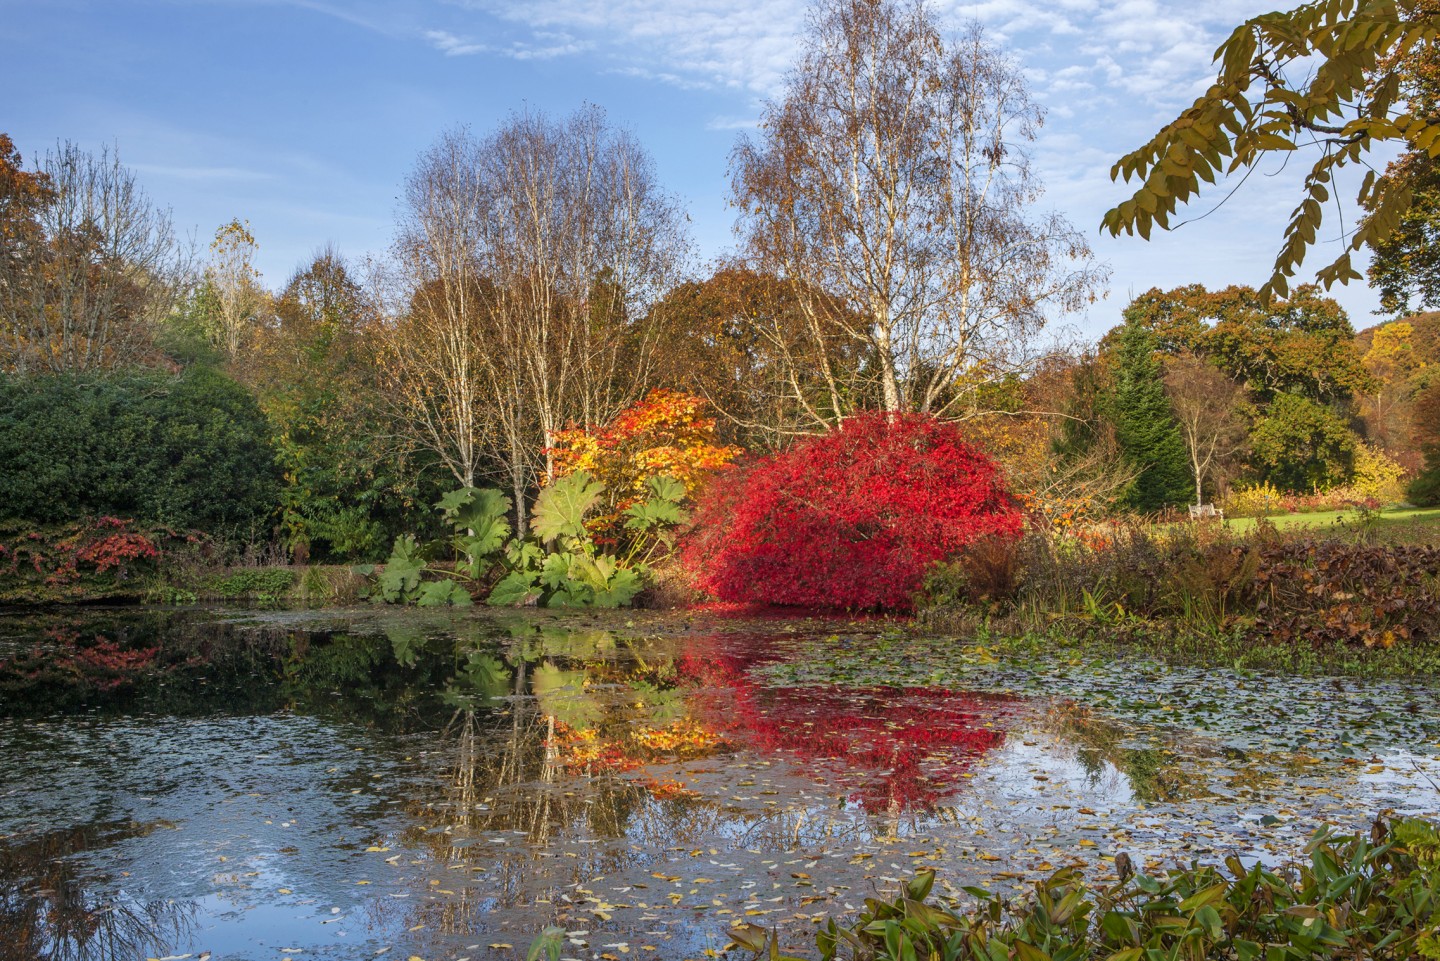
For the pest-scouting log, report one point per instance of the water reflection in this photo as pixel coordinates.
(52, 909)
(511, 763)
(177, 782)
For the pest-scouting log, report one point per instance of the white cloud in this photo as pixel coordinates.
(732, 123)
(545, 47)
(744, 45)
(451, 45)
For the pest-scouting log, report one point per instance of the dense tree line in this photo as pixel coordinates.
(542, 278)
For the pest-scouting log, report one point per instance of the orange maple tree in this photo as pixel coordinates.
(668, 433)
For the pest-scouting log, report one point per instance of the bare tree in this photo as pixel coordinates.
(543, 249)
(433, 349)
(1207, 405)
(99, 270)
(892, 176)
(239, 298)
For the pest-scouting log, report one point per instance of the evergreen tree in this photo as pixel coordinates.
(1145, 427)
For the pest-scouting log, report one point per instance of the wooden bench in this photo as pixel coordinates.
(1205, 510)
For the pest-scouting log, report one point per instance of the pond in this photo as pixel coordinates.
(379, 783)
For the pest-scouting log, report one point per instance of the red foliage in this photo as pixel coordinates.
(850, 519)
(117, 550)
(83, 559)
(895, 749)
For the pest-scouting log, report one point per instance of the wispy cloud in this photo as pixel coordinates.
(200, 173)
(544, 47)
(724, 44)
(732, 123)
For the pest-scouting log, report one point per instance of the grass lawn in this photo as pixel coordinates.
(1414, 523)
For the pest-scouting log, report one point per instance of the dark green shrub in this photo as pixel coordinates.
(1425, 488)
(184, 451)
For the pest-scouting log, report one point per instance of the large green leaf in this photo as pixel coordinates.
(455, 501)
(548, 945)
(487, 508)
(515, 589)
(479, 516)
(442, 592)
(594, 573)
(523, 555)
(556, 571)
(666, 488)
(400, 577)
(624, 585)
(653, 513)
(571, 594)
(561, 508)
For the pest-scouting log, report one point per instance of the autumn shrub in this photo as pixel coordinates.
(1060, 575)
(106, 557)
(851, 519)
(1270, 587)
(986, 572)
(1379, 484)
(1378, 476)
(668, 434)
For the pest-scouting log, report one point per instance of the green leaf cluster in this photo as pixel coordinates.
(186, 451)
(1301, 445)
(563, 567)
(1375, 897)
(1344, 96)
(560, 566)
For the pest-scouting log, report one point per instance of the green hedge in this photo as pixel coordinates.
(185, 451)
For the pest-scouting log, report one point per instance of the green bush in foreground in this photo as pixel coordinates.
(1353, 897)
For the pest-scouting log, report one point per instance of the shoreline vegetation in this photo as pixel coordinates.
(1352, 896)
(1207, 593)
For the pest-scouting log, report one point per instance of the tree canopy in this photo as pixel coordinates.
(1326, 75)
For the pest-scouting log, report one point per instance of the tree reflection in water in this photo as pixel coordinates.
(545, 757)
(564, 754)
(50, 910)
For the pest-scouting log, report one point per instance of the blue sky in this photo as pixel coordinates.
(304, 116)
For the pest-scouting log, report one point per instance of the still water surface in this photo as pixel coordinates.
(357, 784)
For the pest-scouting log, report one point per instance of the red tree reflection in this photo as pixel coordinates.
(895, 748)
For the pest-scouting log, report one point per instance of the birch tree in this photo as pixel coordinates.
(539, 252)
(892, 178)
(239, 299)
